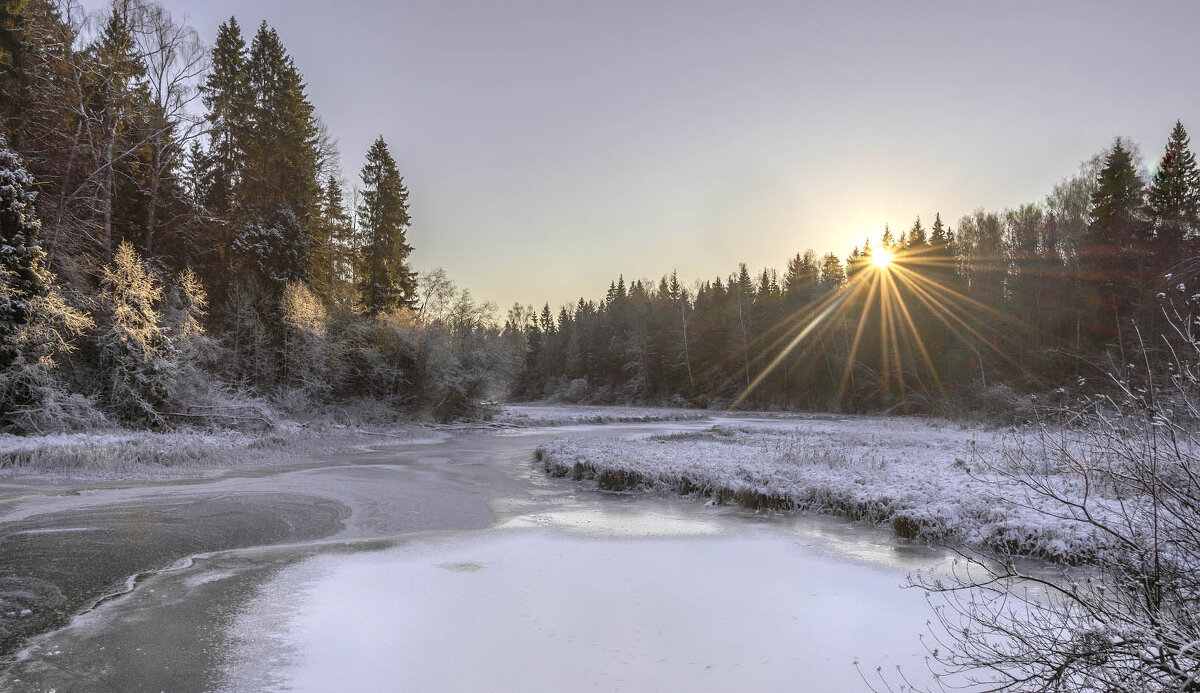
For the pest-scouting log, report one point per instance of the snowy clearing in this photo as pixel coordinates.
(925, 479)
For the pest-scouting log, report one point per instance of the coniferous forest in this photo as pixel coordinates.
(977, 316)
(180, 247)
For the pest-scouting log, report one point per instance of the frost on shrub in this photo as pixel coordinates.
(1127, 469)
(137, 358)
(275, 248)
(304, 348)
(36, 323)
(32, 397)
(248, 335)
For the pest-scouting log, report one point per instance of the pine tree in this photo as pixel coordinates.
(384, 280)
(1174, 198)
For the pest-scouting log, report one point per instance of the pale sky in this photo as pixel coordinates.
(550, 146)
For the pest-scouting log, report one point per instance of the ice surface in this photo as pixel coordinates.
(540, 610)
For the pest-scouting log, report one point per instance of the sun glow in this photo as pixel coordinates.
(904, 303)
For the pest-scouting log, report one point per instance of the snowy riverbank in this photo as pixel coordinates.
(540, 414)
(927, 480)
(133, 454)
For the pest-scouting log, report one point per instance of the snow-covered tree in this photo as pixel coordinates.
(136, 354)
(274, 249)
(36, 324)
(21, 256)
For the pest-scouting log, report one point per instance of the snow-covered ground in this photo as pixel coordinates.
(131, 454)
(127, 454)
(528, 415)
(925, 479)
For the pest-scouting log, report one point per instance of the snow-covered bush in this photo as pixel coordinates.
(247, 335)
(33, 399)
(1127, 469)
(36, 324)
(305, 368)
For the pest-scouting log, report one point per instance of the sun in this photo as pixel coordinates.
(881, 258)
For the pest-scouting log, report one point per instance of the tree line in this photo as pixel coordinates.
(1024, 300)
(177, 236)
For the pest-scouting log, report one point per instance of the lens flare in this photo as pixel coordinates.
(904, 302)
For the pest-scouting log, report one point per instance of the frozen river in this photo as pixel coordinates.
(452, 565)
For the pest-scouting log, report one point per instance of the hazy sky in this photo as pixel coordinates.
(549, 146)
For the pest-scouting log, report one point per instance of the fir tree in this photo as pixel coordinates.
(384, 280)
(1174, 198)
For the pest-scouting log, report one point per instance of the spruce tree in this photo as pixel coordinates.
(801, 278)
(916, 237)
(887, 241)
(384, 280)
(1174, 198)
(281, 165)
(279, 192)
(937, 232)
(332, 243)
(121, 106)
(1117, 221)
(11, 69)
(1114, 257)
(227, 97)
(833, 274)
